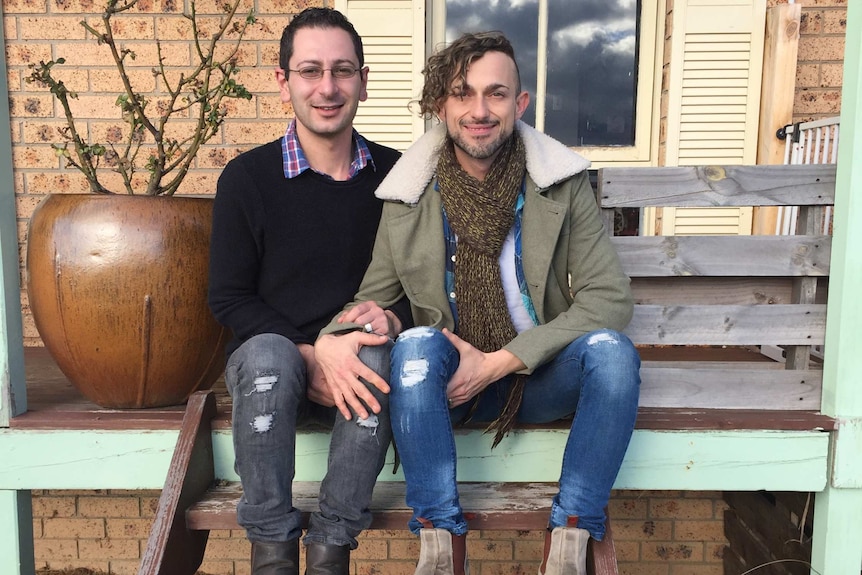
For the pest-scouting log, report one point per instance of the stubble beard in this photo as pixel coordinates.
(479, 151)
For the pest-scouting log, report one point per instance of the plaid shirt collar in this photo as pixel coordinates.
(294, 161)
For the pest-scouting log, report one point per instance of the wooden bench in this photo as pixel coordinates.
(715, 413)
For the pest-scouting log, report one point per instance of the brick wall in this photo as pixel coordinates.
(656, 533)
(821, 59)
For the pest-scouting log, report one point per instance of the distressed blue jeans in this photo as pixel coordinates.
(267, 380)
(595, 379)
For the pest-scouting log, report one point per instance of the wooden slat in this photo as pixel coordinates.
(722, 388)
(663, 419)
(728, 325)
(753, 256)
(687, 290)
(801, 185)
(171, 548)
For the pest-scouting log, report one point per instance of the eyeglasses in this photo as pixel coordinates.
(316, 72)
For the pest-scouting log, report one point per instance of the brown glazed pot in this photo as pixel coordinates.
(118, 287)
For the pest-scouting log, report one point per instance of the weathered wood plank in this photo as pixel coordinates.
(778, 256)
(728, 325)
(800, 185)
(720, 388)
(687, 290)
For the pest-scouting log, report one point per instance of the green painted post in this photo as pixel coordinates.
(16, 517)
(837, 545)
(13, 399)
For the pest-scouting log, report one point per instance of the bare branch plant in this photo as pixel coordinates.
(197, 94)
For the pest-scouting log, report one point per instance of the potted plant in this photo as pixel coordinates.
(117, 279)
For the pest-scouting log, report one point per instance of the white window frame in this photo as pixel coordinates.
(648, 97)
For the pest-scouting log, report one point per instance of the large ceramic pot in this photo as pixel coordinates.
(117, 286)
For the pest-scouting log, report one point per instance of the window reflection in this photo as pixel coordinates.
(591, 61)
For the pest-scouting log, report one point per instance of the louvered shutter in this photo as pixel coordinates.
(393, 33)
(716, 59)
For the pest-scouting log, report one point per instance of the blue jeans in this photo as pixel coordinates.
(267, 380)
(595, 378)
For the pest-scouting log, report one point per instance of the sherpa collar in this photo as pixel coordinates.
(548, 162)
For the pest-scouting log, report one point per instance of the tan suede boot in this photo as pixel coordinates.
(565, 552)
(441, 553)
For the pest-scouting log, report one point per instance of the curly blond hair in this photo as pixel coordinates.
(450, 64)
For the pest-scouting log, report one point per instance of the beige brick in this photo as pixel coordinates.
(53, 28)
(128, 528)
(406, 549)
(287, 6)
(497, 550)
(31, 157)
(109, 549)
(639, 568)
(817, 102)
(627, 508)
(642, 530)
(528, 550)
(37, 528)
(269, 54)
(252, 133)
(216, 568)
(56, 549)
(509, 568)
(825, 3)
(216, 157)
(372, 550)
(835, 21)
(45, 132)
(129, 27)
(31, 106)
(47, 506)
(108, 507)
(808, 76)
(271, 107)
(87, 565)
(70, 182)
(811, 22)
(27, 53)
(125, 567)
(219, 549)
(821, 48)
(268, 27)
(108, 80)
(627, 550)
(24, 7)
(225, 534)
(535, 535)
(149, 504)
(64, 528)
(384, 567)
(215, 6)
(832, 75)
(681, 508)
(717, 569)
(672, 551)
(699, 530)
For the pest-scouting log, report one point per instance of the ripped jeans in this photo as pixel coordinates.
(267, 380)
(595, 378)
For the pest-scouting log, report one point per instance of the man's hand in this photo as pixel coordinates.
(477, 370)
(317, 391)
(337, 357)
(369, 314)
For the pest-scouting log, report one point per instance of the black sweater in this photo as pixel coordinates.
(287, 255)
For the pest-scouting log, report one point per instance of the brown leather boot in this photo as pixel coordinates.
(565, 550)
(323, 559)
(441, 553)
(278, 558)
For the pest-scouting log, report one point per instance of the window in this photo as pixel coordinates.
(589, 66)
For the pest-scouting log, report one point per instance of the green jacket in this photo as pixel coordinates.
(572, 270)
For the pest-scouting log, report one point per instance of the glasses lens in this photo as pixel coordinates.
(311, 73)
(344, 72)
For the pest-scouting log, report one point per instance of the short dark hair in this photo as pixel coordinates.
(316, 18)
(451, 63)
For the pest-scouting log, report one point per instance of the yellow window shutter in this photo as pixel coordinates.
(714, 81)
(393, 37)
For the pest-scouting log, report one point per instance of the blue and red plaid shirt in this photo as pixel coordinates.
(295, 162)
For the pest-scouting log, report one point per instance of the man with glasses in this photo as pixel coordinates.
(293, 227)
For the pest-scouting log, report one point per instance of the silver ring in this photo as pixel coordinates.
(368, 328)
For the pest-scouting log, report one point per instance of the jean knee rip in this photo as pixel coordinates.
(264, 380)
(262, 423)
(416, 333)
(414, 372)
(603, 337)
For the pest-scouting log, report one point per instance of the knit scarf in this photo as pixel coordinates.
(481, 215)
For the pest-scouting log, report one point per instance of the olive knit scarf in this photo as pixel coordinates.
(481, 215)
